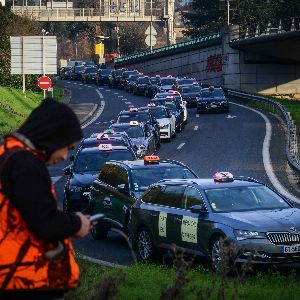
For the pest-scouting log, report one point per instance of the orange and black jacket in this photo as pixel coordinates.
(31, 224)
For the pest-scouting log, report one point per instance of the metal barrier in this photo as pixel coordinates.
(291, 146)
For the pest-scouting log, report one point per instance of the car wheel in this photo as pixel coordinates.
(145, 246)
(220, 257)
(99, 231)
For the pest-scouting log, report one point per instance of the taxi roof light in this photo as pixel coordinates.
(173, 92)
(151, 159)
(151, 105)
(105, 147)
(109, 131)
(133, 123)
(223, 177)
(133, 109)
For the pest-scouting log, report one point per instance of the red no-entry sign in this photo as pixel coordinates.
(44, 83)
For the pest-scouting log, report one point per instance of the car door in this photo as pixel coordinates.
(195, 228)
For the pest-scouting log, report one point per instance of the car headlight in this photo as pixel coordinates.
(165, 126)
(248, 234)
(75, 189)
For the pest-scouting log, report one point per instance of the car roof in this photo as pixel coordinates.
(125, 125)
(96, 149)
(210, 183)
(140, 164)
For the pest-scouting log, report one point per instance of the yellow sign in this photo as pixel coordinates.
(98, 51)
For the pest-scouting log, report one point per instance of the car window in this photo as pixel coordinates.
(159, 112)
(171, 196)
(191, 197)
(244, 198)
(151, 195)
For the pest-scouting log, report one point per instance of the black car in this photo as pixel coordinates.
(152, 87)
(166, 83)
(85, 168)
(174, 107)
(125, 76)
(128, 85)
(64, 73)
(190, 94)
(115, 77)
(140, 134)
(88, 75)
(211, 100)
(102, 76)
(75, 73)
(204, 216)
(134, 114)
(181, 82)
(119, 185)
(138, 88)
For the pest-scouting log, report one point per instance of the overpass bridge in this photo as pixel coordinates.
(266, 61)
(105, 11)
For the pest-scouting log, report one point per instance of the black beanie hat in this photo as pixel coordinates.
(51, 126)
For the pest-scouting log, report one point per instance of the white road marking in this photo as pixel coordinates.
(197, 115)
(99, 93)
(125, 99)
(100, 111)
(55, 179)
(230, 117)
(266, 156)
(107, 90)
(120, 96)
(68, 81)
(116, 93)
(80, 83)
(127, 102)
(180, 146)
(101, 88)
(196, 127)
(75, 83)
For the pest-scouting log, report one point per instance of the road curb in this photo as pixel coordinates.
(102, 262)
(89, 115)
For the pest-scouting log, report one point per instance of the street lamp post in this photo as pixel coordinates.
(44, 33)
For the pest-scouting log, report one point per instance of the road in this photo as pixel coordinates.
(235, 142)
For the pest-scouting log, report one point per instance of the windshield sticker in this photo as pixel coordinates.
(189, 229)
(162, 224)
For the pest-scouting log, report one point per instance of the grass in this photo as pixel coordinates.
(21, 104)
(148, 281)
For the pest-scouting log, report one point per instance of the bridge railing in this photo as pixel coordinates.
(291, 129)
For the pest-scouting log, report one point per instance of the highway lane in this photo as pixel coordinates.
(210, 142)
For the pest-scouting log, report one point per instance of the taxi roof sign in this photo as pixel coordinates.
(151, 159)
(223, 177)
(133, 109)
(133, 123)
(151, 104)
(105, 147)
(109, 131)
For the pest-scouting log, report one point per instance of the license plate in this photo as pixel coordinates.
(290, 249)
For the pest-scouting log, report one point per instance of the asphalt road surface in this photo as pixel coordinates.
(235, 142)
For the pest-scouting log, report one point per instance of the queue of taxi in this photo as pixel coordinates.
(160, 203)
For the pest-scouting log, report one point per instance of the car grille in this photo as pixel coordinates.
(283, 238)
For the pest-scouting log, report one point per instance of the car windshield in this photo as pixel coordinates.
(140, 117)
(78, 69)
(118, 72)
(191, 89)
(105, 71)
(92, 162)
(94, 142)
(168, 81)
(212, 94)
(142, 178)
(244, 198)
(133, 77)
(159, 112)
(153, 80)
(91, 70)
(143, 80)
(133, 132)
(127, 74)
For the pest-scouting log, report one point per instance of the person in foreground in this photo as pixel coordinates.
(36, 255)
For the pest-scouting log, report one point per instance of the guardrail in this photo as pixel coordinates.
(291, 145)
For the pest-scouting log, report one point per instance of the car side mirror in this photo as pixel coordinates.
(198, 209)
(67, 170)
(72, 157)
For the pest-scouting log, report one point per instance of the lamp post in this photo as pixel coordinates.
(44, 33)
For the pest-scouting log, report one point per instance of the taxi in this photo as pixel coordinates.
(166, 83)
(140, 134)
(85, 168)
(202, 216)
(140, 84)
(119, 185)
(165, 119)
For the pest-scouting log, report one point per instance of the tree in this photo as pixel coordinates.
(205, 17)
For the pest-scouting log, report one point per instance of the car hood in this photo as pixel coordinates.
(83, 179)
(166, 87)
(162, 122)
(263, 220)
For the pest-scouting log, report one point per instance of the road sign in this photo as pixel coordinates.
(150, 42)
(151, 30)
(33, 54)
(44, 83)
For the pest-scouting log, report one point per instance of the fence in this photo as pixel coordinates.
(292, 144)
